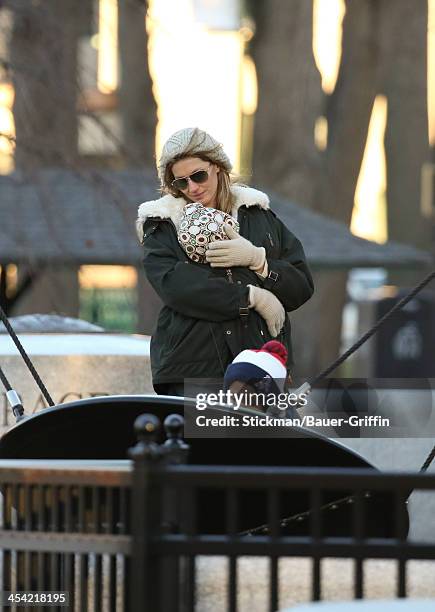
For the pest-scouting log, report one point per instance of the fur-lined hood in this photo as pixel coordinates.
(170, 207)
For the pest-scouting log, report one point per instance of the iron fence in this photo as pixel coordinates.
(271, 512)
(129, 535)
(66, 528)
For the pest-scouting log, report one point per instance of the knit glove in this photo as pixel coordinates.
(237, 251)
(269, 307)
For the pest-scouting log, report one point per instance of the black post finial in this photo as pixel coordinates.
(147, 428)
(175, 445)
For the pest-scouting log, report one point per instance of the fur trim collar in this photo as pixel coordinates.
(169, 207)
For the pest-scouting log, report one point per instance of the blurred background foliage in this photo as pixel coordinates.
(328, 103)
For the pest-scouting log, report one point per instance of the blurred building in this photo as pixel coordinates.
(57, 220)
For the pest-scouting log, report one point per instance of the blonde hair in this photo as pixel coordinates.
(224, 197)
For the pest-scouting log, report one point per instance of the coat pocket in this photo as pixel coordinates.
(271, 244)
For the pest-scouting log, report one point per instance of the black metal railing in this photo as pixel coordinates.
(272, 512)
(131, 535)
(66, 528)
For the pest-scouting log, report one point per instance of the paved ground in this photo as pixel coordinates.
(295, 581)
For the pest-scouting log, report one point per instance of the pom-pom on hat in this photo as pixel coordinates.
(190, 142)
(266, 366)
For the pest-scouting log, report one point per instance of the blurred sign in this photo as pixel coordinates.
(408, 342)
(74, 366)
(404, 343)
(218, 14)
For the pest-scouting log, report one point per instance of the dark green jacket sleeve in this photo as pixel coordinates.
(289, 277)
(191, 289)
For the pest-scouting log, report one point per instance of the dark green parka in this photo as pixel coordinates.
(205, 322)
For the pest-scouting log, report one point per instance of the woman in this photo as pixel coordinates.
(238, 298)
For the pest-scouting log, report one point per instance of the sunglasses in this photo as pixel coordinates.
(200, 176)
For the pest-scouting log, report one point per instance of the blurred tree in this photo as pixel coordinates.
(46, 77)
(404, 82)
(43, 52)
(137, 105)
(43, 61)
(138, 111)
(290, 101)
(348, 110)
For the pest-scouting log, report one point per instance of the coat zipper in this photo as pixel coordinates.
(270, 239)
(229, 275)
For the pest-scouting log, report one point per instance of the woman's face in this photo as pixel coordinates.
(198, 192)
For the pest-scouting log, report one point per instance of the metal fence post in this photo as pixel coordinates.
(176, 448)
(146, 455)
(176, 569)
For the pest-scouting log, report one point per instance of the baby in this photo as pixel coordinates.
(200, 226)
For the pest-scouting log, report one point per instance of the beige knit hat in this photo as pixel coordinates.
(191, 142)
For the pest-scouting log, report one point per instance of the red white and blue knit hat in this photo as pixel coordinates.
(266, 366)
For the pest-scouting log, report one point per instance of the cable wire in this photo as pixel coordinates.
(26, 358)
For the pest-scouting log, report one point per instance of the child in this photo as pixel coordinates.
(200, 226)
(260, 374)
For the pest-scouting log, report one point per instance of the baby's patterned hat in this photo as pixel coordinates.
(200, 226)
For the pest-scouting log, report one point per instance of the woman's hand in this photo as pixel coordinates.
(269, 307)
(237, 251)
